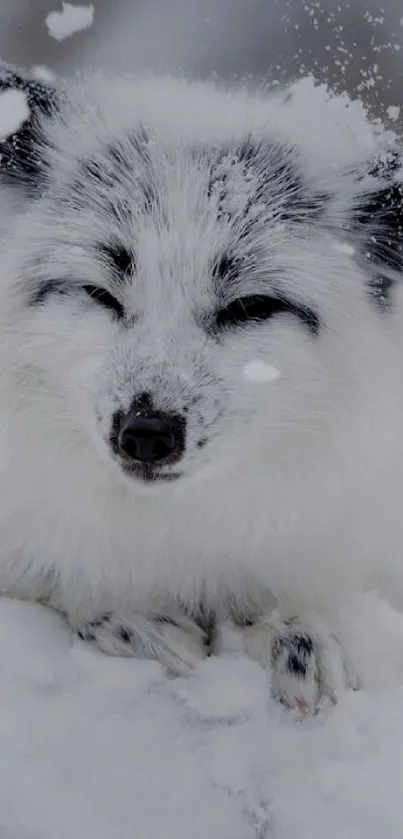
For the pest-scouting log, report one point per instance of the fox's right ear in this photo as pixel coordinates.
(23, 157)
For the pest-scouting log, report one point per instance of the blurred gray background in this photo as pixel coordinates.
(356, 45)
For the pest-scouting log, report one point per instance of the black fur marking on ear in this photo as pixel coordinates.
(22, 159)
(378, 217)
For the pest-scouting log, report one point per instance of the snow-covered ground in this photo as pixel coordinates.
(98, 748)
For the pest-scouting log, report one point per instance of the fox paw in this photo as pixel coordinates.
(178, 643)
(307, 662)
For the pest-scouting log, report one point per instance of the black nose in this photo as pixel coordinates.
(152, 439)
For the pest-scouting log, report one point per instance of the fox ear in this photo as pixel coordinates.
(378, 218)
(23, 153)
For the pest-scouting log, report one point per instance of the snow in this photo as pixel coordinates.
(93, 747)
(70, 20)
(14, 111)
(43, 73)
(260, 372)
(235, 184)
(343, 247)
(393, 112)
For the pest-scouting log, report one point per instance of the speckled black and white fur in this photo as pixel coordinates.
(157, 237)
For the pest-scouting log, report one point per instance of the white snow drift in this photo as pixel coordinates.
(93, 747)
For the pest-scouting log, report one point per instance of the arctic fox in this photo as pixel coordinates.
(201, 386)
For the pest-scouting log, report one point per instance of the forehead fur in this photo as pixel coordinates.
(117, 143)
(215, 174)
(195, 216)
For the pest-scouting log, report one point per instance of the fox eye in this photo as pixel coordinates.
(105, 299)
(253, 308)
(262, 307)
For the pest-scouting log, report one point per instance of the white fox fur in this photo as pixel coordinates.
(292, 486)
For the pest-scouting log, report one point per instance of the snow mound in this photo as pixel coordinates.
(14, 111)
(70, 20)
(93, 747)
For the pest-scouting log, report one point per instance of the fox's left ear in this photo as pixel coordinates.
(378, 220)
(23, 153)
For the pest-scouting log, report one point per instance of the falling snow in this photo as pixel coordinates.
(260, 372)
(342, 247)
(393, 112)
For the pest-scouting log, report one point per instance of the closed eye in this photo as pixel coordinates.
(105, 299)
(261, 308)
(254, 307)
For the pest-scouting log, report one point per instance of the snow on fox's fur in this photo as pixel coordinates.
(156, 238)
